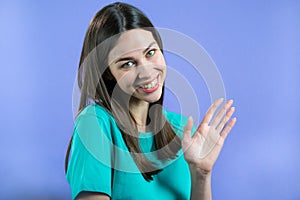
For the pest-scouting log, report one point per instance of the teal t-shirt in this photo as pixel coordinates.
(100, 161)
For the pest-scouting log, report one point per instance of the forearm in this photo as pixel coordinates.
(201, 184)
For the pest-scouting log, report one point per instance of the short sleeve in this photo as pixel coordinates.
(90, 161)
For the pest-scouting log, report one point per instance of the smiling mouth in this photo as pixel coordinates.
(150, 85)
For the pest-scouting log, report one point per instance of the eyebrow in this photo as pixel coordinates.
(131, 58)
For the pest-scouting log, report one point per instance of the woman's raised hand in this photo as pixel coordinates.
(203, 148)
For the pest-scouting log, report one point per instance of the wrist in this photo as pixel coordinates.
(199, 172)
(201, 183)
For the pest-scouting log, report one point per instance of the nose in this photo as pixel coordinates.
(144, 70)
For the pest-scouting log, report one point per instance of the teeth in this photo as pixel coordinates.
(150, 85)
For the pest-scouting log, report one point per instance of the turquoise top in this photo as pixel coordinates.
(100, 161)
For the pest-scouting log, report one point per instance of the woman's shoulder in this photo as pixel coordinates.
(93, 119)
(93, 126)
(94, 110)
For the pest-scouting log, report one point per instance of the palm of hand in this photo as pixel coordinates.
(203, 148)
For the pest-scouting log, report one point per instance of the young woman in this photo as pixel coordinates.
(125, 145)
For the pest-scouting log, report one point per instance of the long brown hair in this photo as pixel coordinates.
(98, 84)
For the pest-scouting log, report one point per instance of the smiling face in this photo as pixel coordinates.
(138, 65)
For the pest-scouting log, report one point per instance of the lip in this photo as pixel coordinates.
(150, 90)
(147, 82)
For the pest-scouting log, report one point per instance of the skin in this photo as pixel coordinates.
(146, 63)
(203, 148)
(135, 61)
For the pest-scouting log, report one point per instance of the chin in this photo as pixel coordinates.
(151, 98)
(154, 98)
(153, 101)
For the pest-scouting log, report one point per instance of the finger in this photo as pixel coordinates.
(188, 128)
(221, 113)
(228, 128)
(225, 119)
(211, 111)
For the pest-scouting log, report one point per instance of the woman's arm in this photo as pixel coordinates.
(203, 148)
(92, 196)
(201, 185)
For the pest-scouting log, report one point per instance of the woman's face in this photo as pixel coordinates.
(138, 65)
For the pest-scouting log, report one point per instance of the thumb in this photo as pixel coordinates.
(188, 128)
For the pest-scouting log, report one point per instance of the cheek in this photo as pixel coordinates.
(160, 62)
(126, 81)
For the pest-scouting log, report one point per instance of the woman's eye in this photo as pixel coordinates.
(150, 53)
(127, 64)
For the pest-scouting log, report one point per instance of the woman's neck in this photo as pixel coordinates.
(139, 111)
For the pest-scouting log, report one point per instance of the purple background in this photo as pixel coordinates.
(255, 45)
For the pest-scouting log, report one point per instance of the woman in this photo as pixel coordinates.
(125, 145)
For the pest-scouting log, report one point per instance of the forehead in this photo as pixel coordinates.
(131, 41)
